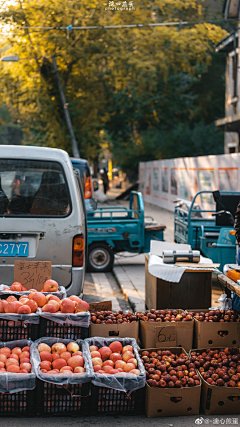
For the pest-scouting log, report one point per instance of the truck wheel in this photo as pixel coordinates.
(100, 258)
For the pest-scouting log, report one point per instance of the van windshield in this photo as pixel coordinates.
(33, 188)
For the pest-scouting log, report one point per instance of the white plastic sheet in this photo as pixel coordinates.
(5, 290)
(172, 272)
(26, 318)
(122, 381)
(63, 378)
(81, 319)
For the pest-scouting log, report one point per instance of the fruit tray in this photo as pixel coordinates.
(17, 330)
(18, 404)
(71, 399)
(49, 328)
(111, 401)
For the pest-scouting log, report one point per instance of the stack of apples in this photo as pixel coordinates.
(110, 317)
(16, 360)
(60, 359)
(220, 367)
(165, 316)
(114, 359)
(165, 369)
(49, 286)
(28, 304)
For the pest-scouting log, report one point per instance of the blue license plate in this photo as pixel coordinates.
(13, 249)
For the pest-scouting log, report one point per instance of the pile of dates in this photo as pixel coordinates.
(165, 316)
(219, 367)
(217, 316)
(165, 369)
(110, 317)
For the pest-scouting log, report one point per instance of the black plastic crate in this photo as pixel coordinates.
(48, 328)
(18, 330)
(72, 399)
(18, 404)
(106, 400)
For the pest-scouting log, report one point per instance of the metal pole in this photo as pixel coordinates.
(66, 112)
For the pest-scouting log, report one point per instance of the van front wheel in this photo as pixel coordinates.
(100, 258)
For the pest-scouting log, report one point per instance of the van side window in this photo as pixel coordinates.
(33, 188)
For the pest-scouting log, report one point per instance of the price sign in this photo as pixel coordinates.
(100, 306)
(32, 274)
(166, 335)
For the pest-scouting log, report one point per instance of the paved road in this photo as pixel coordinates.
(120, 421)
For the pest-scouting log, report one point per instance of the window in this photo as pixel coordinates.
(33, 188)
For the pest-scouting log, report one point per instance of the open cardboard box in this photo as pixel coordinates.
(161, 402)
(160, 334)
(120, 330)
(208, 334)
(217, 400)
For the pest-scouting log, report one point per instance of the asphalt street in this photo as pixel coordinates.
(122, 421)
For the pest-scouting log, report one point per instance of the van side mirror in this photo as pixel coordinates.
(95, 185)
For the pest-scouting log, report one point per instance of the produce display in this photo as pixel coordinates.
(114, 359)
(60, 358)
(220, 367)
(165, 369)
(28, 304)
(110, 317)
(165, 316)
(16, 361)
(217, 316)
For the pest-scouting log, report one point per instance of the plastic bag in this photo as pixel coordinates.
(63, 378)
(226, 303)
(13, 383)
(26, 318)
(81, 319)
(5, 290)
(122, 381)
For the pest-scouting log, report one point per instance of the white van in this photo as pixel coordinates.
(42, 214)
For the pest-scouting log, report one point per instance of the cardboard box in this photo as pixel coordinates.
(207, 334)
(194, 290)
(120, 330)
(217, 400)
(173, 334)
(220, 400)
(160, 402)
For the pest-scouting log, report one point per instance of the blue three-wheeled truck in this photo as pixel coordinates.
(210, 231)
(118, 229)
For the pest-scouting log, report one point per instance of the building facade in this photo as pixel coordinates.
(230, 124)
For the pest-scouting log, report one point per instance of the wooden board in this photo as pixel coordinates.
(100, 306)
(196, 265)
(230, 284)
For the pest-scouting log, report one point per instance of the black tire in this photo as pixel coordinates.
(100, 258)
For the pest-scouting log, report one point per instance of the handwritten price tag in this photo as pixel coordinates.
(100, 306)
(165, 335)
(32, 274)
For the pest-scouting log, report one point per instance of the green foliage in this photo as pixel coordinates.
(127, 82)
(180, 141)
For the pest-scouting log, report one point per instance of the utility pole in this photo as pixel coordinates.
(66, 112)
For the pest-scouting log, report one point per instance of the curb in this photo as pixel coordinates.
(129, 291)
